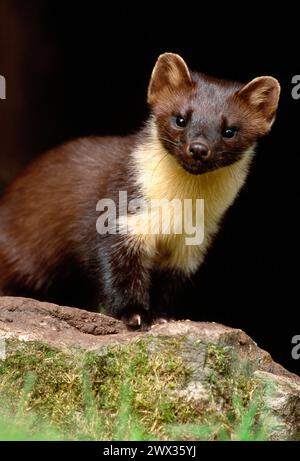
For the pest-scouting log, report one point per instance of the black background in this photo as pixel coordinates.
(79, 68)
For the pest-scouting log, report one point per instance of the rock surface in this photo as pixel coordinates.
(65, 327)
(31, 320)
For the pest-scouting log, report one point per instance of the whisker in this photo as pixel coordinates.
(158, 163)
(170, 141)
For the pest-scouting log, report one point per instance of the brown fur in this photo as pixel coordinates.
(49, 246)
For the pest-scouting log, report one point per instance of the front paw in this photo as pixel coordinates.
(143, 321)
(133, 321)
(135, 318)
(137, 321)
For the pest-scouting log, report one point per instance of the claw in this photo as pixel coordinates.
(135, 320)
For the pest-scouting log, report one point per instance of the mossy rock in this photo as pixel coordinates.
(146, 389)
(62, 377)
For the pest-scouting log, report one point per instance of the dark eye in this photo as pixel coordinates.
(180, 121)
(229, 133)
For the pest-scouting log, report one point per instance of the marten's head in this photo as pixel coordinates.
(206, 123)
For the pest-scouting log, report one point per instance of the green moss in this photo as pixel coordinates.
(236, 395)
(229, 378)
(127, 392)
(67, 386)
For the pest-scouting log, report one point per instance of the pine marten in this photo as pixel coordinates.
(198, 143)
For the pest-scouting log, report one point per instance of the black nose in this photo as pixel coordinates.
(199, 151)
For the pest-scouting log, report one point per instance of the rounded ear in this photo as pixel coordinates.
(262, 96)
(170, 72)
